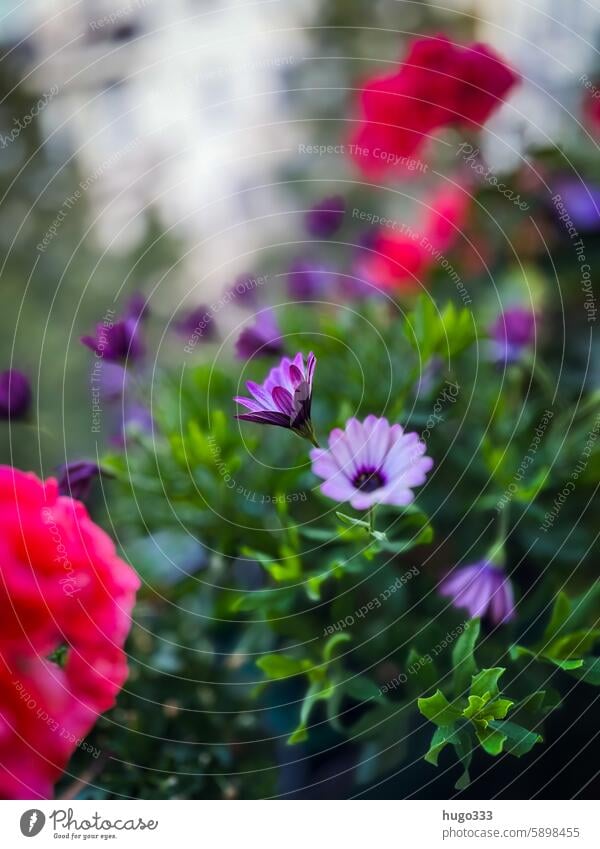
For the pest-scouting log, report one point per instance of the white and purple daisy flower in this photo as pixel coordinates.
(284, 399)
(483, 589)
(371, 462)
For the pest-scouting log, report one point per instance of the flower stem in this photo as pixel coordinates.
(371, 519)
(497, 555)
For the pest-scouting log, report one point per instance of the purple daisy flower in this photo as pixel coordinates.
(325, 218)
(483, 589)
(75, 479)
(284, 399)
(513, 332)
(371, 462)
(15, 394)
(262, 339)
(117, 342)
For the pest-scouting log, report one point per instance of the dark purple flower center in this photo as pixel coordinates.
(368, 480)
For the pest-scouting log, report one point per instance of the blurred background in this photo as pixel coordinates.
(165, 139)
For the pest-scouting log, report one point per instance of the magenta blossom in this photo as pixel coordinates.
(371, 462)
(325, 218)
(263, 339)
(513, 332)
(483, 589)
(284, 399)
(15, 394)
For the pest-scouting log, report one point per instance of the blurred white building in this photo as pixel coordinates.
(173, 106)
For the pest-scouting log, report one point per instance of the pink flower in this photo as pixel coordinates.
(401, 260)
(371, 462)
(439, 84)
(62, 588)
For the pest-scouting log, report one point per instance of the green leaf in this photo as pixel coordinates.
(443, 736)
(475, 706)
(463, 658)
(519, 740)
(492, 740)
(362, 689)
(572, 645)
(332, 644)
(279, 666)
(560, 613)
(318, 691)
(589, 671)
(486, 682)
(438, 709)
(460, 739)
(374, 722)
(499, 708)
(422, 671)
(464, 750)
(286, 568)
(313, 585)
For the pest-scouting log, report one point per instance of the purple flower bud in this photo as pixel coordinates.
(117, 342)
(263, 339)
(307, 280)
(137, 307)
(15, 394)
(111, 378)
(581, 201)
(482, 589)
(245, 289)
(135, 417)
(326, 217)
(75, 479)
(513, 332)
(198, 323)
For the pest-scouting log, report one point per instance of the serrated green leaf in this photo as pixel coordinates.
(486, 681)
(519, 740)
(499, 708)
(491, 739)
(438, 709)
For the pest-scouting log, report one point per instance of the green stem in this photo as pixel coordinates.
(497, 555)
(371, 519)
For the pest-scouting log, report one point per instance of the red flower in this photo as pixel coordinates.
(399, 259)
(591, 110)
(62, 588)
(440, 84)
